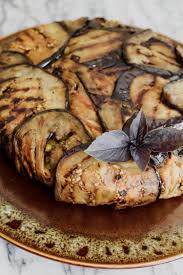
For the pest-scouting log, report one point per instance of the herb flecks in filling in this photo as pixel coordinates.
(56, 147)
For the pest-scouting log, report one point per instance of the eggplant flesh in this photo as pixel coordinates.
(37, 43)
(43, 139)
(8, 58)
(171, 174)
(173, 94)
(85, 180)
(111, 115)
(81, 105)
(144, 48)
(146, 92)
(93, 44)
(26, 90)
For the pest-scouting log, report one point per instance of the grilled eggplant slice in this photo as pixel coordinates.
(111, 114)
(43, 139)
(93, 44)
(8, 58)
(173, 94)
(138, 89)
(96, 81)
(37, 43)
(26, 90)
(85, 180)
(81, 105)
(146, 93)
(147, 48)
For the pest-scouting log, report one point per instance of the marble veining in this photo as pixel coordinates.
(163, 16)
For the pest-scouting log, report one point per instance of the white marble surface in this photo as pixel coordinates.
(162, 15)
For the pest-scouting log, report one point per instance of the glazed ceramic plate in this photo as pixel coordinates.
(88, 236)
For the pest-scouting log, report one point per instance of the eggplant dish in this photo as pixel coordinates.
(65, 83)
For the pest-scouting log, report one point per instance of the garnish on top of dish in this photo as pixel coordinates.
(135, 142)
(93, 108)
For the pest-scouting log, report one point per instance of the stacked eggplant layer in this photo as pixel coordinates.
(65, 83)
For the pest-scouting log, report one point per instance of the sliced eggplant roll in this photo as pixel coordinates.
(8, 58)
(148, 48)
(173, 94)
(85, 180)
(25, 90)
(37, 43)
(43, 139)
(81, 105)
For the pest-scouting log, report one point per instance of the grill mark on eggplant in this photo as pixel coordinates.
(58, 54)
(10, 118)
(116, 39)
(41, 33)
(16, 100)
(19, 156)
(5, 107)
(20, 110)
(8, 91)
(143, 92)
(98, 35)
(28, 34)
(31, 98)
(57, 72)
(170, 105)
(154, 40)
(90, 97)
(64, 26)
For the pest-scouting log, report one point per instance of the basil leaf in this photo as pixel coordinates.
(111, 146)
(127, 124)
(141, 156)
(164, 139)
(138, 128)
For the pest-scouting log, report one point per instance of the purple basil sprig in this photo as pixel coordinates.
(135, 142)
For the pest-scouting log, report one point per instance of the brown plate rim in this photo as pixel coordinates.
(80, 263)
